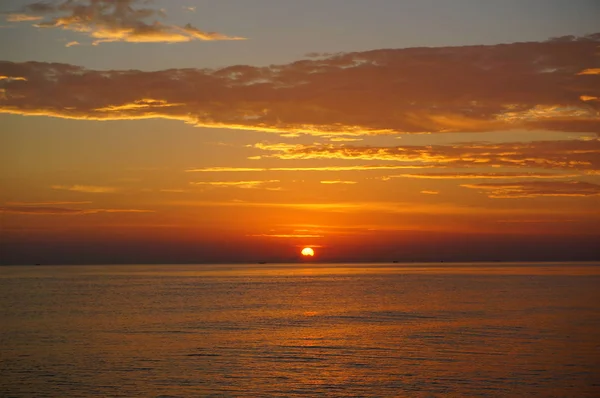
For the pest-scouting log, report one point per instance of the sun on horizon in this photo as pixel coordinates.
(308, 252)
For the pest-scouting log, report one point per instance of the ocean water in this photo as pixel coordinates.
(362, 330)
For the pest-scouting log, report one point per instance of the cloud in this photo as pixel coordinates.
(12, 78)
(85, 188)
(588, 98)
(530, 189)
(168, 190)
(382, 207)
(48, 210)
(148, 104)
(571, 154)
(111, 21)
(288, 235)
(337, 182)
(237, 184)
(72, 43)
(22, 18)
(323, 168)
(590, 71)
(49, 203)
(519, 86)
(482, 176)
(430, 192)
(344, 139)
(536, 221)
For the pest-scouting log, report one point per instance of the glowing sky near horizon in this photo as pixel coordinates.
(199, 131)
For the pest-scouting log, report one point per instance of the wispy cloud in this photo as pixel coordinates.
(85, 188)
(430, 192)
(148, 104)
(519, 86)
(50, 210)
(536, 221)
(169, 190)
(590, 71)
(572, 154)
(288, 235)
(530, 189)
(12, 78)
(344, 139)
(367, 207)
(48, 203)
(323, 168)
(330, 182)
(239, 184)
(483, 176)
(110, 21)
(22, 17)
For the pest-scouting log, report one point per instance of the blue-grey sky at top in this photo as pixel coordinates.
(281, 31)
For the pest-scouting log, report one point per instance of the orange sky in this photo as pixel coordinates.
(456, 152)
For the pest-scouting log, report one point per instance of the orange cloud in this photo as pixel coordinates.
(50, 203)
(379, 207)
(323, 168)
(288, 235)
(85, 188)
(519, 86)
(337, 182)
(238, 184)
(530, 189)
(22, 18)
(12, 78)
(344, 139)
(572, 154)
(110, 21)
(590, 71)
(482, 176)
(47, 210)
(144, 103)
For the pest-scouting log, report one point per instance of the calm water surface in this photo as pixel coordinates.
(423, 330)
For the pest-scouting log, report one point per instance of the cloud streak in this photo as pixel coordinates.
(519, 86)
(344, 182)
(482, 176)
(572, 154)
(111, 21)
(288, 235)
(381, 207)
(52, 210)
(317, 168)
(531, 189)
(49, 203)
(85, 188)
(238, 184)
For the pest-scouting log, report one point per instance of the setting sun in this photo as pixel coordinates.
(308, 252)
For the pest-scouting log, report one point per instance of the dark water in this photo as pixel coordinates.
(302, 330)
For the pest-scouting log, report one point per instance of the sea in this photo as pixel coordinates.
(301, 330)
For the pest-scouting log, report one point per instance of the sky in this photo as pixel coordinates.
(242, 131)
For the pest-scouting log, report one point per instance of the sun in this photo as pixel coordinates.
(308, 252)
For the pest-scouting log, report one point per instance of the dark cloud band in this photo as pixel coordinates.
(540, 85)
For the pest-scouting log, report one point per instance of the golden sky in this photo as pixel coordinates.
(366, 148)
